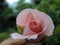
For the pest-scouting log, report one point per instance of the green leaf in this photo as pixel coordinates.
(57, 2)
(53, 7)
(3, 36)
(20, 29)
(57, 30)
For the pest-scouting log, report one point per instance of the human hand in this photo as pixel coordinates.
(11, 41)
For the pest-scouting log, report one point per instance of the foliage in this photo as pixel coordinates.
(3, 36)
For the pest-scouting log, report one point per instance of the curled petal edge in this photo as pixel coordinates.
(19, 36)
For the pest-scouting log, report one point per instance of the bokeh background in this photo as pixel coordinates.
(9, 9)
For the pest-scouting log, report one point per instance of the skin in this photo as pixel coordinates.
(11, 41)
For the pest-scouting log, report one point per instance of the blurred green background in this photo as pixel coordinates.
(9, 9)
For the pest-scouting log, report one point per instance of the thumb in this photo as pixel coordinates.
(11, 41)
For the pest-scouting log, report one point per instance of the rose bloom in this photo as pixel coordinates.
(34, 24)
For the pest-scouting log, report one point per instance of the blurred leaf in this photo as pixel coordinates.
(20, 29)
(57, 2)
(57, 30)
(53, 7)
(20, 6)
(12, 30)
(3, 36)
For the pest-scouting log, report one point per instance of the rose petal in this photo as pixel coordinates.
(24, 17)
(47, 19)
(27, 31)
(39, 18)
(19, 36)
(39, 38)
(50, 25)
(33, 37)
(29, 17)
(36, 27)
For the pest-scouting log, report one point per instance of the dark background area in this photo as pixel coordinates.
(8, 18)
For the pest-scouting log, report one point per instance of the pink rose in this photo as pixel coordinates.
(34, 23)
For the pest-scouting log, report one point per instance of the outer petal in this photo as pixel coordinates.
(50, 26)
(19, 36)
(39, 38)
(24, 17)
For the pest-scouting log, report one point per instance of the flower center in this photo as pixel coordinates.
(33, 24)
(37, 28)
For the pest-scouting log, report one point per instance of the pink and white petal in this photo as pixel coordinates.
(50, 26)
(27, 31)
(29, 17)
(18, 36)
(40, 18)
(24, 16)
(48, 20)
(33, 37)
(36, 38)
(36, 16)
(30, 33)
